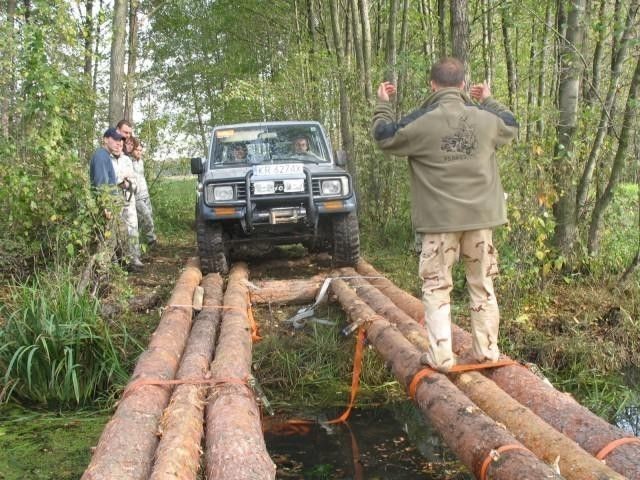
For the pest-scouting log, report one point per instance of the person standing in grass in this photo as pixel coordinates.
(456, 198)
(143, 201)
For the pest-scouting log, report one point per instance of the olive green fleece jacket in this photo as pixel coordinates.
(451, 146)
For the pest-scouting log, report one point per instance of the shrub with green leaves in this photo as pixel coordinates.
(55, 350)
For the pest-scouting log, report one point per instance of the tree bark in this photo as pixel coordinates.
(560, 411)
(291, 292)
(460, 34)
(593, 90)
(7, 80)
(116, 72)
(128, 442)
(366, 48)
(391, 51)
(487, 40)
(619, 161)
(542, 75)
(235, 445)
(569, 90)
(182, 424)
(506, 24)
(132, 60)
(442, 31)
(357, 43)
(469, 433)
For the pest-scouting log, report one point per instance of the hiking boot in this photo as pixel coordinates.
(135, 265)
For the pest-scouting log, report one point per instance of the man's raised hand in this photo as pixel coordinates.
(384, 90)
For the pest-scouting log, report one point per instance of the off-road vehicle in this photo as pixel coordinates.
(265, 184)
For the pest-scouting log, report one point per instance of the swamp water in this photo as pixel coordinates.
(392, 442)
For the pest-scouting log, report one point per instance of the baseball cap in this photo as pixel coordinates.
(113, 133)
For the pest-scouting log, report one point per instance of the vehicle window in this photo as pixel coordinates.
(269, 144)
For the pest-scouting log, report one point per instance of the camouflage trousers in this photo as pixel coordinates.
(128, 237)
(439, 252)
(145, 219)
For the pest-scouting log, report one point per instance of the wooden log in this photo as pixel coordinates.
(235, 446)
(560, 411)
(544, 441)
(471, 434)
(291, 292)
(182, 424)
(129, 441)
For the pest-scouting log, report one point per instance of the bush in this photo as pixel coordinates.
(55, 350)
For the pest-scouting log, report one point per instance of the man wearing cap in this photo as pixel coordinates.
(101, 170)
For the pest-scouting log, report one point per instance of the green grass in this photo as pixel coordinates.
(173, 201)
(55, 350)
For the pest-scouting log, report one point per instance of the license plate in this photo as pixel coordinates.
(278, 169)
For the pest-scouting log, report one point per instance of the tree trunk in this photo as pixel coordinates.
(542, 75)
(291, 292)
(505, 18)
(460, 35)
(593, 90)
(132, 60)
(487, 40)
(366, 48)
(7, 78)
(391, 51)
(88, 41)
(129, 440)
(402, 74)
(116, 72)
(619, 57)
(560, 411)
(182, 424)
(469, 433)
(619, 161)
(530, 86)
(442, 31)
(357, 43)
(235, 445)
(345, 116)
(564, 162)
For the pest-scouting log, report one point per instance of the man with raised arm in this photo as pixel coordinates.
(456, 198)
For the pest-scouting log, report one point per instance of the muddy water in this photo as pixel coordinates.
(383, 443)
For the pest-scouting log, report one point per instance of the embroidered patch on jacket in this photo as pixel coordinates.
(462, 141)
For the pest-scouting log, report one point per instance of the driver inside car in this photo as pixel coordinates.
(239, 153)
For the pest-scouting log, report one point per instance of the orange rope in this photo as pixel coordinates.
(427, 371)
(355, 385)
(255, 336)
(611, 446)
(490, 457)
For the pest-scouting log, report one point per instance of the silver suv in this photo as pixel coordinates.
(271, 183)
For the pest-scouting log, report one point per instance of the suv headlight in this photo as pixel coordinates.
(219, 193)
(334, 186)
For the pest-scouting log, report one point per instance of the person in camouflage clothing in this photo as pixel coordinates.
(456, 198)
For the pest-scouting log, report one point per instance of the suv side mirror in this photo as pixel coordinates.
(197, 166)
(340, 157)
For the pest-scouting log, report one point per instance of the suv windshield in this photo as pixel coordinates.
(254, 145)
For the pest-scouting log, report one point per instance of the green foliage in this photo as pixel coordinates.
(174, 203)
(45, 202)
(55, 349)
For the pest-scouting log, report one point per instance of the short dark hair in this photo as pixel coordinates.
(448, 72)
(122, 122)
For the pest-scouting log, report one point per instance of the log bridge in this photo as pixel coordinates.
(190, 400)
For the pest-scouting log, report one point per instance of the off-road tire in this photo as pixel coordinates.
(346, 240)
(212, 248)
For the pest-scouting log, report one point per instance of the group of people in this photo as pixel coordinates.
(117, 165)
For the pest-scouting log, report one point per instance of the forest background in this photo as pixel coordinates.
(569, 70)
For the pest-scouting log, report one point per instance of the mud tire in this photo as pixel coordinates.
(346, 240)
(212, 247)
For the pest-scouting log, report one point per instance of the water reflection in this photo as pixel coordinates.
(383, 443)
(629, 420)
